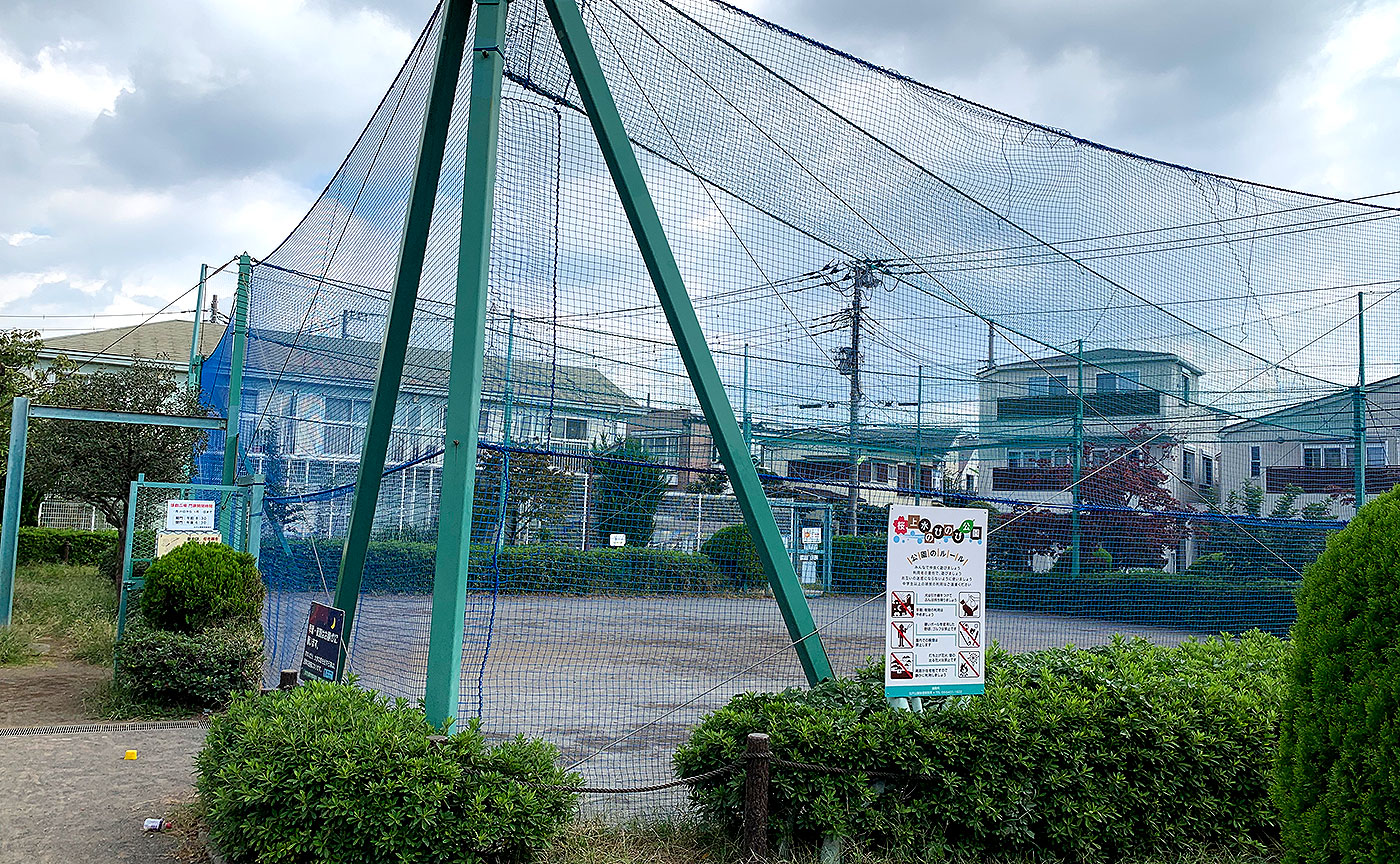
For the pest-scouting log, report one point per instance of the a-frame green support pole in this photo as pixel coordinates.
(239, 352)
(685, 327)
(413, 247)
(464, 377)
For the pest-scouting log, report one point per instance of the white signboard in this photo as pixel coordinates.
(812, 536)
(184, 515)
(617, 539)
(167, 542)
(935, 601)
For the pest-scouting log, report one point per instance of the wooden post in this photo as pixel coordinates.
(289, 679)
(757, 758)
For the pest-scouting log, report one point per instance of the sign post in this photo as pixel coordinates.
(935, 601)
(324, 628)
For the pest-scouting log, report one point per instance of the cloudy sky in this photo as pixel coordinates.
(139, 139)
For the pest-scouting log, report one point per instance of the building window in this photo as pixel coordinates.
(1207, 471)
(1328, 456)
(1186, 388)
(1255, 460)
(1119, 382)
(1052, 385)
(345, 425)
(882, 472)
(1033, 458)
(1375, 455)
(971, 484)
(576, 430)
(1188, 465)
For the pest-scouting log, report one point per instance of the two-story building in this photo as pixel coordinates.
(1311, 447)
(1027, 418)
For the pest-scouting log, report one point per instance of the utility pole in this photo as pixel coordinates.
(862, 277)
(919, 442)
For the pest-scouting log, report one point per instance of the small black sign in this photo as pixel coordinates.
(323, 642)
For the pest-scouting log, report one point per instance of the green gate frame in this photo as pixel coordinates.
(469, 327)
(249, 488)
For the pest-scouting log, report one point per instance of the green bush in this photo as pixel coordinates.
(858, 564)
(195, 670)
(1338, 782)
(1086, 755)
(64, 545)
(198, 585)
(731, 549)
(331, 773)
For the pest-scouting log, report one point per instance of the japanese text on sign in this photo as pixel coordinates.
(182, 515)
(935, 593)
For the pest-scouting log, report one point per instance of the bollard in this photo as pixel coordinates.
(756, 757)
(289, 679)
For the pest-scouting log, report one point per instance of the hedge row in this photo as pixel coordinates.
(57, 545)
(1111, 753)
(400, 566)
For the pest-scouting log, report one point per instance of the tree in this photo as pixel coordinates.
(1126, 511)
(538, 493)
(1252, 548)
(1339, 743)
(96, 462)
(627, 486)
(709, 484)
(20, 376)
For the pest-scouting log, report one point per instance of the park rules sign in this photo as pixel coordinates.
(325, 629)
(935, 601)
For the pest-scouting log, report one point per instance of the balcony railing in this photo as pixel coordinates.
(1131, 403)
(1328, 481)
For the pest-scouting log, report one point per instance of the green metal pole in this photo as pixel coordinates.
(504, 479)
(14, 493)
(413, 245)
(232, 443)
(919, 441)
(127, 549)
(690, 339)
(1358, 409)
(1078, 456)
(464, 377)
(195, 358)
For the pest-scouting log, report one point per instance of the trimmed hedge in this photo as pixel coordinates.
(192, 670)
(198, 585)
(732, 551)
(1087, 755)
(406, 567)
(47, 545)
(1338, 783)
(331, 774)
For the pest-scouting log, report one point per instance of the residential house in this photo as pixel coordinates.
(1311, 447)
(1027, 418)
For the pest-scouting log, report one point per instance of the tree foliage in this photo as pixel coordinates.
(20, 376)
(1337, 783)
(1251, 549)
(1128, 512)
(538, 494)
(96, 462)
(626, 490)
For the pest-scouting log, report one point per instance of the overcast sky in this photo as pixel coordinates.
(139, 139)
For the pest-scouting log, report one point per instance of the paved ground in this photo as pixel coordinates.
(586, 672)
(71, 797)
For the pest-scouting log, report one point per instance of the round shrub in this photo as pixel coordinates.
(732, 551)
(1338, 774)
(199, 585)
(332, 773)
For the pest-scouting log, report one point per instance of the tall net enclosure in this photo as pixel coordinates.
(1148, 373)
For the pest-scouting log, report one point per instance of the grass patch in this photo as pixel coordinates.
(15, 646)
(73, 608)
(684, 840)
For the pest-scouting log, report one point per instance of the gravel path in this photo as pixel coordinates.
(71, 797)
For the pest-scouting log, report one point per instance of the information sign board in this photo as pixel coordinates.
(812, 536)
(185, 515)
(323, 643)
(616, 540)
(167, 541)
(935, 601)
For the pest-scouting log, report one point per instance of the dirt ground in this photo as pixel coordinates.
(47, 693)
